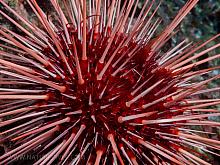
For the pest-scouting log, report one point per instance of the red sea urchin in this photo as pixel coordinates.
(93, 87)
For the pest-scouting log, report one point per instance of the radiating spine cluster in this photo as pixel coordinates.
(93, 86)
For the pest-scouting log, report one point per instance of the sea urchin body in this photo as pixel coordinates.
(92, 86)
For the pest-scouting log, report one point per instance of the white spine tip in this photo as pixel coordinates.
(93, 118)
(68, 119)
(110, 136)
(47, 97)
(99, 77)
(128, 104)
(101, 61)
(57, 128)
(63, 89)
(83, 126)
(81, 81)
(120, 119)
